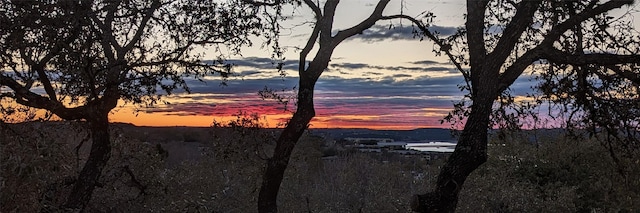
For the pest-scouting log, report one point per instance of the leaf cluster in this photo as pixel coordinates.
(583, 59)
(74, 53)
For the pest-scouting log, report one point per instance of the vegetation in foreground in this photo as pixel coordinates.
(557, 175)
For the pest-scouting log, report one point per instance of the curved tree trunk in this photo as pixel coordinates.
(322, 33)
(277, 164)
(470, 153)
(99, 155)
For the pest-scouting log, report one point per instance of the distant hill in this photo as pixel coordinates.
(422, 134)
(194, 134)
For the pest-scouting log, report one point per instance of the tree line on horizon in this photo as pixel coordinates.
(77, 59)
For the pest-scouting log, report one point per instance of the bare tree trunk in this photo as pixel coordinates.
(100, 152)
(322, 33)
(470, 153)
(277, 164)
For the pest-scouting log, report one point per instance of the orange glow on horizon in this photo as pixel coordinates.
(126, 115)
(272, 121)
(271, 118)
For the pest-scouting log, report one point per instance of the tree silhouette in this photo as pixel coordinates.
(77, 59)
(589, 58)
(309, 73)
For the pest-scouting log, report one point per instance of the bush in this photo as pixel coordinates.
(562, 174)
(36, 164)
(558, 175)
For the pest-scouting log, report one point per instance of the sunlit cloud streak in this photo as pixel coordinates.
(400, 32)
(417, 94)
(414, 68)
(339, 102)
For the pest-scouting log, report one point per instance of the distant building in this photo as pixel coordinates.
(392, 145)
(446, 147)
(431, 150)
(368, 140)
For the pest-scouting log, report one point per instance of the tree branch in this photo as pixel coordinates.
(307, 48)
(546, 46)
(262, 3)
(39, 68)
(25, 97)
(143, 23)
(475, 32)
(315, 8)
(39, 65)
(556, 56)
(557, 31)
(629, 75)
(326, 23)
(105, 32)
(513, 31)
(517, 68)
(561, 57)
(134, 181)
(446, 48)
(312, 40)
(365, 24)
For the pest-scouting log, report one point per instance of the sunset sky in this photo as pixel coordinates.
(382, 79)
